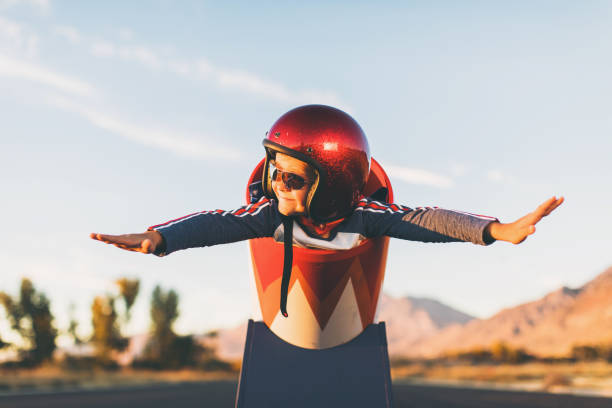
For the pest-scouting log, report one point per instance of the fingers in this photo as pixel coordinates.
(542, 208)
(109, 239)
(549, 205)
(545, 208)
(525, 226)
(129, 242)
(556, 203)
(102, 237)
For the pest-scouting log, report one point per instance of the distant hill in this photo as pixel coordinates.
(410, 320)
(546, 327)
(228, 343)
(421, 327)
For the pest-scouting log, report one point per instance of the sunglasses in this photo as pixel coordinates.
(291, 181)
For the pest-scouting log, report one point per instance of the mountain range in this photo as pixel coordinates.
(549, 326)
(422, 327)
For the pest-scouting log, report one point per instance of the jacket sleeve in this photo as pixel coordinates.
(426, 224)
(208, 228)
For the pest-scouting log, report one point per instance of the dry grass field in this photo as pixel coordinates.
(591, 378)
(53, 378)
(581, 378)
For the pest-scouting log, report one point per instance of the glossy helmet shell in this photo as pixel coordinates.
(334, 144)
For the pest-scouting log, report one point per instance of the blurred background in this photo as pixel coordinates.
(115, 116)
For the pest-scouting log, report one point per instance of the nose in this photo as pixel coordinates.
(281, 186)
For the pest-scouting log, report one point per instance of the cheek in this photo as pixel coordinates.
(275, 188)
(301, 195)
(300, 198)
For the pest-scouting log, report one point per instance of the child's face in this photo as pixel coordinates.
(292, 201)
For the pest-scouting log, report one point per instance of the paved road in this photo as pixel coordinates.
(221, 394)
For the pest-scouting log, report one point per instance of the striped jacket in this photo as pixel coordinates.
(369, 219)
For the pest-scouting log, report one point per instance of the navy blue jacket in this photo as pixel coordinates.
(369, 219)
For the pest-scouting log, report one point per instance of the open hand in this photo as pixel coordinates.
(146, 242)
(517, 231)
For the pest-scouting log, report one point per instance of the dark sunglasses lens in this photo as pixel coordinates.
(293, 181)
(290, 180)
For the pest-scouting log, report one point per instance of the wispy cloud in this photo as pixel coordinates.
(459, 169)
(14, 38)
(248, 82)
(68, 33)
(142, 55)
(40, 5)
(180, 143)
(17, 39)
(497, 176)
(418, 176)
(200, 70)
(15, 68)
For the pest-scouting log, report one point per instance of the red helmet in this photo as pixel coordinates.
(333, 143)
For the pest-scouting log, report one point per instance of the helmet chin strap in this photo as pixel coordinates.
(287, 261)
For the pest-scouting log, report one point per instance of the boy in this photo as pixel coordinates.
(317, 165)
(292, 193)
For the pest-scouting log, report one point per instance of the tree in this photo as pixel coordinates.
(30, 316)
(164, 312)
(128, 290)
(592, 352)
(503, 353)
(165, 348)
(73, 325)
(106, 335)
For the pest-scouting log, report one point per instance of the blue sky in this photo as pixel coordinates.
(119, 115)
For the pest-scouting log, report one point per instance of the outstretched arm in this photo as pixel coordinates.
(425, 224)
(204, 228)
(517, 231)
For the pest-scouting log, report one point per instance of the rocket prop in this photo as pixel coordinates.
(317, 344)
(327, 351)
(333, 295)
